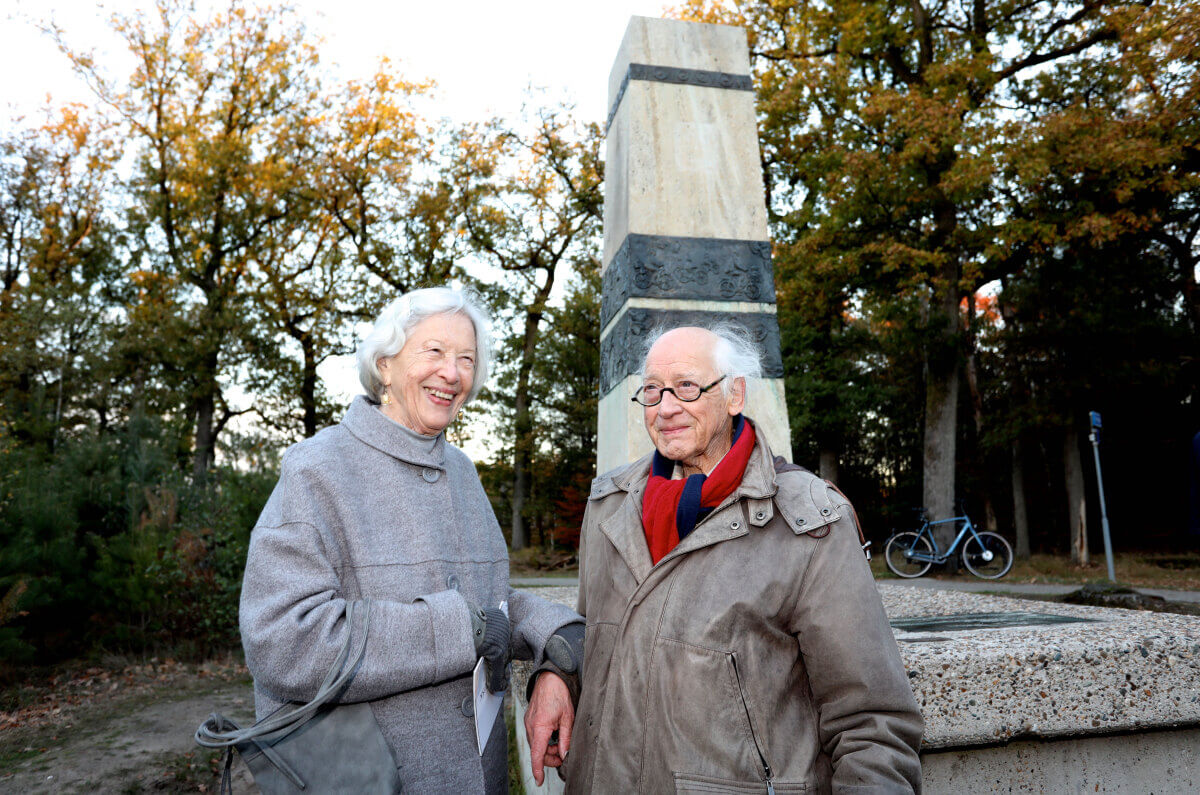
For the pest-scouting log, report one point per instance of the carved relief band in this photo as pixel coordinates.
(661, 266)
(621, 350)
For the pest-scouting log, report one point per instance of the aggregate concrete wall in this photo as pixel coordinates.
(1158, 762)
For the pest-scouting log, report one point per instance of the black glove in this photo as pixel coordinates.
(563, 656)
(565, 648)
(492, 634)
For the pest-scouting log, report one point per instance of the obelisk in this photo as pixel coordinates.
(685, 218)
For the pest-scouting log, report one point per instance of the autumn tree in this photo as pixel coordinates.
(59, 267)
(887, 131)
(533, 213)
(215, 116)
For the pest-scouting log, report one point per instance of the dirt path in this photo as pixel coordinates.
(126, 734)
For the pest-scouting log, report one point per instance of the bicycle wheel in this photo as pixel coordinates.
(898, 554)
(987, 555)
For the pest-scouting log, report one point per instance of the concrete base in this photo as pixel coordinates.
(1162, 762)
(1111, 705)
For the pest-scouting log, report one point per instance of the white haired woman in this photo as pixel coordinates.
(382, 507)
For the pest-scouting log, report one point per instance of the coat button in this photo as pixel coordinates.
(825, 511)
(799, 522)
(452, 582)
(734, 525)
(467, 707)
(760, 515)
(430, 475)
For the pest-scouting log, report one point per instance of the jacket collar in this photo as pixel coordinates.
(624, 528)
(370, 426)
(758, 481)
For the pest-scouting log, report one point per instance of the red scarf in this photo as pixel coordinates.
(672, 508)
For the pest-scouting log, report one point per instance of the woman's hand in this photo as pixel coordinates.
(492, 634)
(549, 711)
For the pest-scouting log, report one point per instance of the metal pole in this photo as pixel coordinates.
(1095, 439)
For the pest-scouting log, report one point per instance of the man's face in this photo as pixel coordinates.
(696, 433)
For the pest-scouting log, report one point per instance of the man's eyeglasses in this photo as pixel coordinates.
(652, 395)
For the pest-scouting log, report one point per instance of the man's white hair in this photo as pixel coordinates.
(735, 354)
(400, 317)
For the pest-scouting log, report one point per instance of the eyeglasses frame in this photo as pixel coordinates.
(671, 389)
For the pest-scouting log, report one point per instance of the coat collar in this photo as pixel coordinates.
(624, 527)
(370, 426)
(758, 481)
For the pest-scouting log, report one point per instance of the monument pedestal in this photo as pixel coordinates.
(1040, 696)
(685, 219)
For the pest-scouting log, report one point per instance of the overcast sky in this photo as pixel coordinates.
(482, 53)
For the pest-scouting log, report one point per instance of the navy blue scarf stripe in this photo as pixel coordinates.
(690, 511)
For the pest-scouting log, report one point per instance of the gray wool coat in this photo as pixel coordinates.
(369, 507)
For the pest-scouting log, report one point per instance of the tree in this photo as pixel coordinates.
(216, 116)
(888, 132)
(533, 210)
(59, 262)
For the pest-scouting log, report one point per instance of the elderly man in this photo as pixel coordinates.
(735, 641)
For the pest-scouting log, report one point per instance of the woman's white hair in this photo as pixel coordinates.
(398, 319)
(735, 354)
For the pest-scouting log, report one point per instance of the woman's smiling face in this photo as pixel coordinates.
(429, 379)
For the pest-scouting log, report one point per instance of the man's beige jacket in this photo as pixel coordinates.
(754, 657)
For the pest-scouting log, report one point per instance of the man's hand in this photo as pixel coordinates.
(549, 711)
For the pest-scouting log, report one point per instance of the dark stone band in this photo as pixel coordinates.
(674, 74)
(709, 269)
(621, 351)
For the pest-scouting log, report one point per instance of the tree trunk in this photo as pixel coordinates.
(308, 387)
(521, 463)
(206, 425)
(829, 465)
(1020, 517)
(523, 425)
(989, 512)
(205, 438)
(1076, 498)
(942, 356)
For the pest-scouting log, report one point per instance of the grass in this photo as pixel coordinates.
(540, 562)
(1178, 571)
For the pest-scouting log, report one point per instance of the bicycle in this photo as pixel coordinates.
(985, 554)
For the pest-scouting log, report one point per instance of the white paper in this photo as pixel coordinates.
(487, 704)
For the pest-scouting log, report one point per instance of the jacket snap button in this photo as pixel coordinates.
(825, 512)
(467, 707)
(430, 475)
(734, 525)
(760, 515)
(799, 521)
(452, 582)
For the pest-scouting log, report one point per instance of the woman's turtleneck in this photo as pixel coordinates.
(420, 441)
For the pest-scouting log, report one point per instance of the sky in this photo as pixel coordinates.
(482, 55)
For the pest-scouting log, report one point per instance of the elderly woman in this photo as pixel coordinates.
(381, 506)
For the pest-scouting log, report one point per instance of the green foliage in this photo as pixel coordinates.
(917, 155)
(108, 545)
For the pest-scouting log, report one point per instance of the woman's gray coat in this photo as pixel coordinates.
(407, 520)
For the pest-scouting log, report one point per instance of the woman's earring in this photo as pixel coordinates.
(386, 398)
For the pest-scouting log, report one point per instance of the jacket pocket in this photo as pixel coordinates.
(755, 737)
(688, 783)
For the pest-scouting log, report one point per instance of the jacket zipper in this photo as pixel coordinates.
(768, 776)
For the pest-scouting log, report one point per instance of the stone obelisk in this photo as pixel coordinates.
(685, 219)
